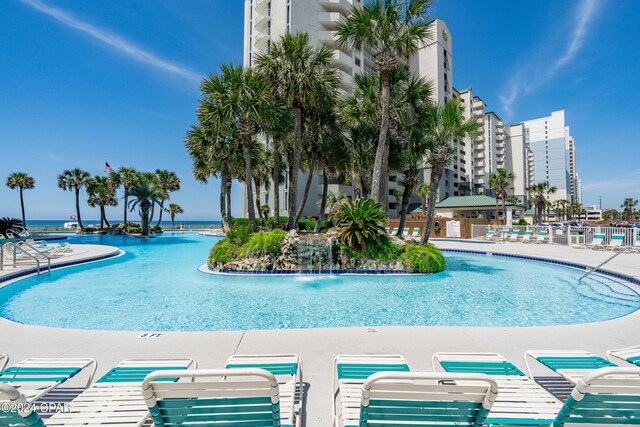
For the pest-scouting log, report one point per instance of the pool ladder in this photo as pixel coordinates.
(35, 256)
(585, 275)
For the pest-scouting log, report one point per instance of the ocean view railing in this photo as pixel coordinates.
(58, 229)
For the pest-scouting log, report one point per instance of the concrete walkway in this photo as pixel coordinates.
(75, 254)
(318, 347)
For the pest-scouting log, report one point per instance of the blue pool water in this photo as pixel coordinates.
(156, 287)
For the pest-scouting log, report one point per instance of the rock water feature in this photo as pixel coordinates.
(309, 253)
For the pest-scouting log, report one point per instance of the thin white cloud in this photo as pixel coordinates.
(526, 79)
(120, 44)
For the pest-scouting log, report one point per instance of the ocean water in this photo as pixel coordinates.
(59, 223)
(156, 287)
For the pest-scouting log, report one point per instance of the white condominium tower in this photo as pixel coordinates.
(553, 155)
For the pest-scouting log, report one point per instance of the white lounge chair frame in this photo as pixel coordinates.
(543, 236)
(431, 389)
(291, 385)
(519, 397)
(348, 391)
(4, 359)
(625, 354)
(213, 385)
(526, 237)
(514, 236)
(113, 403)
(15, 410)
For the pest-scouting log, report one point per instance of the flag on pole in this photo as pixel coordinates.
(107, 167)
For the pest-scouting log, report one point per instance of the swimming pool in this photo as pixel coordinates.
(156, 287)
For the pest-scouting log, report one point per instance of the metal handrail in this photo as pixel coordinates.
(34, 257)
(599, 265)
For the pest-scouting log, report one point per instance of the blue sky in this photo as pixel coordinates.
(84, 82)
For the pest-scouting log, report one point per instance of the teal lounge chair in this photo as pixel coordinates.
(214, 397)
(35, 377)
(395, 230)
(604, 397)
(115, 399)
(596, 243)
(570, 364)
(543, 236)
(426, 399)
(349, 374)
(629, 355)
(416, 232)
(15, 410)
(515, 234)
(526, 237)
(520, 401)
(287, 369)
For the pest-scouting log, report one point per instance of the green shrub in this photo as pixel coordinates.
(361, 223)
(384, 250)
(239, 234)
(522, 222)
(326, 224)
(264, 243)
(423, 259)
(224, 251)
(239, 221)
(306, 224)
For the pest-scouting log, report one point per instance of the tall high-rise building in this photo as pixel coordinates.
(549, 139)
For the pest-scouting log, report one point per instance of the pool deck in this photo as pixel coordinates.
(318, 347)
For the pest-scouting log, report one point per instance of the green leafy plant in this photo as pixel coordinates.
(306, 224)
(264, 243)
(224, 251)
(384, 250)
(361, 223)
(522, 222)
(423, 259)
(240, 234)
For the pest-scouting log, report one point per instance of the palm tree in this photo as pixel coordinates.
(390, 29)
(74, 180)
(446, 124)
(22, 181)
(424, 191)
(169, 182)
(102, 193)
(501, 181)
(539, 197)
(173, 210)
(302, 77)
(628, 208)
(238, 99)
(146, 191)
(128, 176)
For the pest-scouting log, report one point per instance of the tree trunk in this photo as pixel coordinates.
(78, 208)
(293, 174)
(223, 196)
(276, 184)
(504, 207)
(384, 182)
(307, 186)
(497, 211)
(246, 149)
(409, 184)
(24, 219)
(228, 204)
(144, 219)
(126, 205)
(160, 215)
(364, 185)
(104, 215)
(101, 217)
(323, 204)
(153, 212)
(382, 138)
(357, 188)
(257, 185)
(434, 181)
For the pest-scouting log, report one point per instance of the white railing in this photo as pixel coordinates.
(569, 236)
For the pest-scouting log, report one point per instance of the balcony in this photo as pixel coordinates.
(369, 60)
(336, 5)
(478, 105)
(261, 5)
(342, 61)
(328, 37)
(480, 120)
(346, 81)
(261, 21)
(261, 40)
(329, 19)
(480, 164)
(479, 147)
(479, 155)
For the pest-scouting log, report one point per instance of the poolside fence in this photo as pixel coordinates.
(568, 236)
